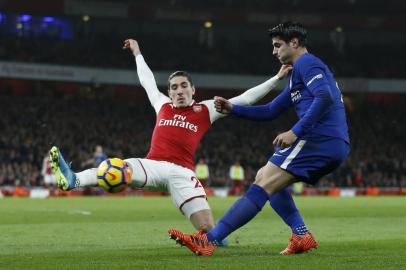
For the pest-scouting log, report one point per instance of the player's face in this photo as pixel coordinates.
(181, 91)
(282, 50)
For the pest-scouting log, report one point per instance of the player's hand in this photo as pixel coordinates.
(222, 105)
(132, 44)
(285, 139)
(284, 71)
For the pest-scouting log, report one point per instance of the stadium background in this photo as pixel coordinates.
(64, 80)
(225, 47)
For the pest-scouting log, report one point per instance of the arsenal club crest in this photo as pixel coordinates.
(197, 108)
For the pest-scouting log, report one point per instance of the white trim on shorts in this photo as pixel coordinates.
(293, 154)
(145, 172)
(188, 200)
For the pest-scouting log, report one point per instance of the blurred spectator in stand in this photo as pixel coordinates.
(237, 177)
(298, 188)
(46, 172)
(202, 172)
(98, 157)
(206, 39)
(337, 37)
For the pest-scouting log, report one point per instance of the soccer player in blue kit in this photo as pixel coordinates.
(316, 145)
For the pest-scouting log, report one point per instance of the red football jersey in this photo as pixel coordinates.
(178, 132)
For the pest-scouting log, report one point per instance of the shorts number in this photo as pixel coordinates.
(197, 185)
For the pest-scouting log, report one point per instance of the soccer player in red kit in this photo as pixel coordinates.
(180, 125)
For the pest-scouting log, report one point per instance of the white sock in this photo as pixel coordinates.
(87, 177)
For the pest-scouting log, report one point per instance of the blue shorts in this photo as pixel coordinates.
(310, 159)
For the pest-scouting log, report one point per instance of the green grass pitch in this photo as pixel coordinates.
(130, 233)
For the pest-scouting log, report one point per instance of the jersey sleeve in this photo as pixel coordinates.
(213, 114)
(314, 77)
(249, 97)
(147, 81)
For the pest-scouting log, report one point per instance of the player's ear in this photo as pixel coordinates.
(193, 90)
(294, 43)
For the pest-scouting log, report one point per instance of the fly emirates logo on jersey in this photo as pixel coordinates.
(178, 121)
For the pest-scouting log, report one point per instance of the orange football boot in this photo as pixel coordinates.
(197, 242)
(300, 244)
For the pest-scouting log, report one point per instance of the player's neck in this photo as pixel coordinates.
(190, 104)
(300, 51)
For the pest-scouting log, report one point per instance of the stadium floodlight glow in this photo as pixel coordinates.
(85, 18)
(208, 24)
(1, 17)
(48, 19)
(25, 18)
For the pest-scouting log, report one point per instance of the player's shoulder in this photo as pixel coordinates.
(165, 107)
(202, 106)
(308, 61)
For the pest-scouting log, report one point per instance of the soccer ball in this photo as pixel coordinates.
(113, 175)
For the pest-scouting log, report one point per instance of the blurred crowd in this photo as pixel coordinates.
(31, 124)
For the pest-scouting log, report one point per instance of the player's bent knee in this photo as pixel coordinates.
(259, 174)
(273, 178)
(263, 176)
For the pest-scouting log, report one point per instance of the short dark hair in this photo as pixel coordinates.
(180, 73)
(288, 31)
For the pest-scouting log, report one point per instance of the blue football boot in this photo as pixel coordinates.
(65, 178)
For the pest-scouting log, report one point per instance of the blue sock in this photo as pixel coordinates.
(242, 211)
(283, 204)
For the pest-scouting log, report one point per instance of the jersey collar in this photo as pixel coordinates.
(190, 105)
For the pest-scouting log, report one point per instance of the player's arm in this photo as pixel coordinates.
(146, 76)
(252, 95)
(316, 81)
(269, 111)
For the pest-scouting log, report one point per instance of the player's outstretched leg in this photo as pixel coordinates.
(300, 244)
(65, 177)
(197, 243)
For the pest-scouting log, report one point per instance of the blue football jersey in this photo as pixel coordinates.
(310, 76)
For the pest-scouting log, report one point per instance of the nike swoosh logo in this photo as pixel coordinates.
(284, 149)
(277, 155)
(112, 175)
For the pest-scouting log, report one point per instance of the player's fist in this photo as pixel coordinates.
(132, 44)
(285, 139)
(222, 105)
(284, 71)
